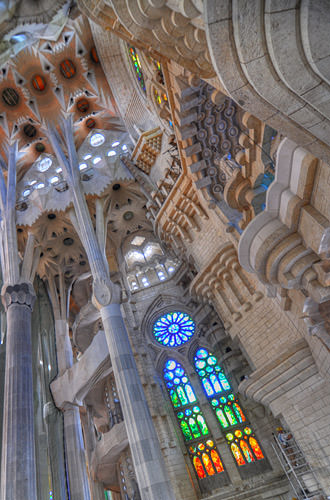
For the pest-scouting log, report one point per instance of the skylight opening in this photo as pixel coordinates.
(138, 240)
(145, 281)
(97, 140)
(44, 164)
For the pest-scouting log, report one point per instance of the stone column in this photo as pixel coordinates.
(18, 470)
(146, 453)
(55, 450)
(75, 454)
(74, 445)
(96, 488)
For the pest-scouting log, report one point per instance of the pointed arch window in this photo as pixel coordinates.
(135, 60)
(241, 440)
(201, 447)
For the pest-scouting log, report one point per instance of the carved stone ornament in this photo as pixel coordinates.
(105, 292)
(22, 293)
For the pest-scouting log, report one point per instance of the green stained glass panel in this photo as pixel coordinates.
(186, 431)
(230, 415)
(182, 395)
(174, 398)
(194, 427)
(221, 417)
(202, 425)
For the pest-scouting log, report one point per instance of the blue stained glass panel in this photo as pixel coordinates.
(174, 329)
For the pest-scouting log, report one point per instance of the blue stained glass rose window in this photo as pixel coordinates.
(174, 329)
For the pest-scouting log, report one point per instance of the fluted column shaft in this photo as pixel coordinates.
(146, 453)
(75, 453)
(74, 445)
(18, 471)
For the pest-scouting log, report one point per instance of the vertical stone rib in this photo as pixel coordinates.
(75, 451)
(18, 474)
(147, 457)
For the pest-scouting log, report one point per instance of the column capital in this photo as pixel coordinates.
(105, 292)
(21, 293)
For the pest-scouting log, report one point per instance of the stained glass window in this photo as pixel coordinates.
(174, 329)
(193, 425)
(137, 67)
(178, 384)
(160, 97)
(244, 446)
(205, 458)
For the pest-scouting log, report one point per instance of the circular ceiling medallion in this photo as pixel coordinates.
(40, 147)
(39, 83)
(83, 105)
(10, 96)
(90, 123)
(128, 215)
(29, 130)
(67, 68)
(94, 55)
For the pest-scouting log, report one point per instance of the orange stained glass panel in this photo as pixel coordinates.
(246, 451)
(94, 55)
(199, 467)
(39, 83)
(239, 412)
(216, 460)
(208, 464)
(237, 454)
(67, 68)
(256, 448)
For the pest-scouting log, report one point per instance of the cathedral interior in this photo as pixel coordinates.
(165, 249)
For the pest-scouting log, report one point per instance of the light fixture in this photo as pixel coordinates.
(97, 160)
(111, 153)
(97, 140)
(32, 183)
(54, 179)
(171, 269)
(82, 166)
(124, 147)
(87, 157)
(26, 192)
(59, 170)
(40, 185)
(114, 144)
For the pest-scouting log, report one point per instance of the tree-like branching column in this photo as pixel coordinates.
(147, 457)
